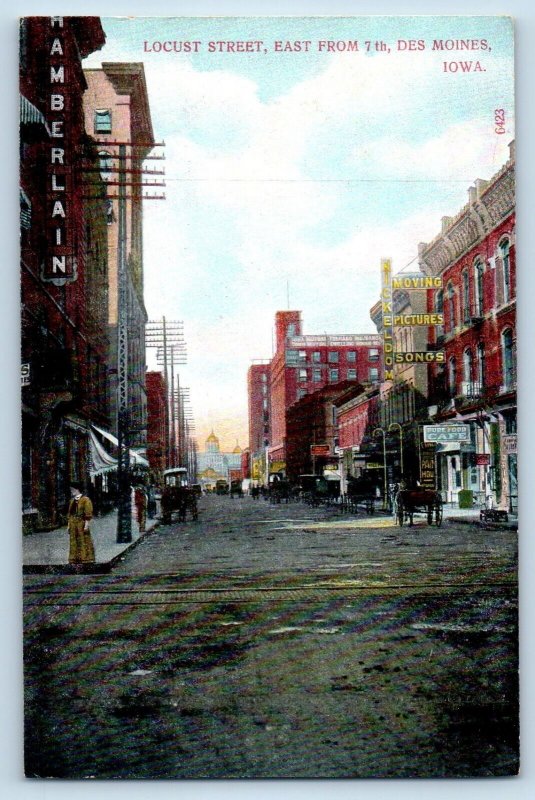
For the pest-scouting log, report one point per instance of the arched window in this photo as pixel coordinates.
(478, 287)
(467, 369)
(506, 262)
(451, 306)
(439, 309)
(105, 165)
(452, 376)
(508, 360)
(481, 366)
(466, 296)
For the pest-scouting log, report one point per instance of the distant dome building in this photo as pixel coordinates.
(213, 465)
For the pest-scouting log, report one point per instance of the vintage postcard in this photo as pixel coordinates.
(269, 410)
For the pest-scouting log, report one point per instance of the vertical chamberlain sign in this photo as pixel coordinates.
(59, 266)
(388, 328)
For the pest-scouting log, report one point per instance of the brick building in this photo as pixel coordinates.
(475, 256)
(157, 425)
(258, 395)
(304, 364)
(358, 416)
(64, 268)
(312, 433)
(117, 109)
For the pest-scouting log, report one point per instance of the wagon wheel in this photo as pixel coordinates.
(438, 513)
(430, 510)
(399, 513)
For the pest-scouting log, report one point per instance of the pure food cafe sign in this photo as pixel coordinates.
(446, 433)
(59, 266)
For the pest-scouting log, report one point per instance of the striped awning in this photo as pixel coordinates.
(30, 115)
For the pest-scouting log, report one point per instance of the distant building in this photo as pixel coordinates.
(258, 394)
(304, 364)
(157, 432)
(213, 465)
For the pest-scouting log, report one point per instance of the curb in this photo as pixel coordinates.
(100, 568)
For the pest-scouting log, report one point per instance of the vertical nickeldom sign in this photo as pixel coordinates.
(388, 327)
(59, 266)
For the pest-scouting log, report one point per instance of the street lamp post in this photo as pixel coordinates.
(398, 426)
(385, 484)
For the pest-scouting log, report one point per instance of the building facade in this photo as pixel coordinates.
(476, 258)
(258, 397)
(214, 465)
(303, 365)
(157, 424)
(117, 110)
(64, 268)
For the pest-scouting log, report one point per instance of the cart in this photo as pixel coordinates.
(409, 502)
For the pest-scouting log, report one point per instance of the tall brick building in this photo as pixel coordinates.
(117, 110)
(475, 256)
(64, 267)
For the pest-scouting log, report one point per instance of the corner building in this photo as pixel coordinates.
(64, 268)
(476, 256)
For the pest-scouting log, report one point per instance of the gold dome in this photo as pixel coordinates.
(212, 438)
(237, 450)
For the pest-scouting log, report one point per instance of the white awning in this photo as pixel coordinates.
(135, 458)
(101, 460)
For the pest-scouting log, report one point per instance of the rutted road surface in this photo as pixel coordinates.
(279, 641)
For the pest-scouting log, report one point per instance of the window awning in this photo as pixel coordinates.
(30, 115)
(101, 460)
(135, 458)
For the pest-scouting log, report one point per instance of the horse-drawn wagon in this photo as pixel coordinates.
(409, 502)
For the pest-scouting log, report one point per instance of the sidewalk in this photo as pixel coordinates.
(49, 551)
(471, 516)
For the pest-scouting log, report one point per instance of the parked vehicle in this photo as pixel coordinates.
(221, 487)
(236, 489)
(177, 496)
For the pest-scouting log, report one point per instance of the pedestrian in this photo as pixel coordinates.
(79, 515)
(151, 502)
(140, 499)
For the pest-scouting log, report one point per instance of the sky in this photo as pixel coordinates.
(290, 173)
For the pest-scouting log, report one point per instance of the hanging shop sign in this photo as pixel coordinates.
(482, 459)
(446, 433)
(59, 265)
(414, 320)
(25, 371)
(386, 310)
(509, 444)
(416, 281)
(428, 471)
(421, 357)
(320, 450)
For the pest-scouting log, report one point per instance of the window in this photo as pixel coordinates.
(264, 377)
(373, 354)
(373, 374)
(103, 120)
(332, 357)
(105, 165)
(481, 364)
(466, 296)
(302, 375)
(316, 375)
(333, 375)
(451, 307)
(439, 302)
(506, 261)
(452, 376)
(467, 365)
(352, 374)
(508, 359)
(478, 275)
(316, 356)
(301, 393)
(291, 330)
(302, 355)
(352, 355)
